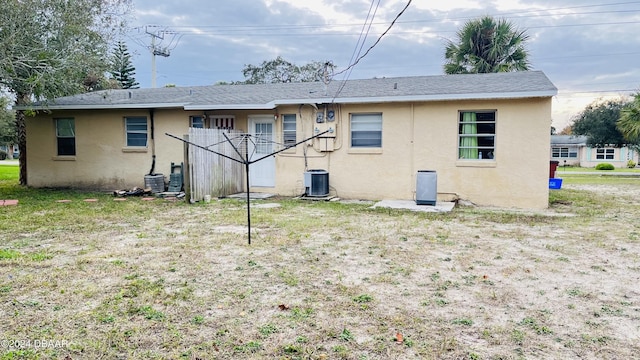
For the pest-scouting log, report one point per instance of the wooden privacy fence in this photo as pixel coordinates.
(210, 173)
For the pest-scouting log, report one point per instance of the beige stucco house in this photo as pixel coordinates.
(486, 136)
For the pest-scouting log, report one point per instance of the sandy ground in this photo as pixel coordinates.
(324, 282)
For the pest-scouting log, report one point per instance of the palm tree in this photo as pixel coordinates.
(629, 122)
(487, 46)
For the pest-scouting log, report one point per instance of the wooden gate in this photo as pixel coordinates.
(210, 173)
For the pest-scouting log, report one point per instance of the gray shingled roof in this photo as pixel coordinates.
(568, 140)
(268, 96)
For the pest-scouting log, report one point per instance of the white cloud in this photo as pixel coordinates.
(583, 59)
(446, 5)
(325, 11)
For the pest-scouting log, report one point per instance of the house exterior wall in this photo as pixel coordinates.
(102, 161)
(415, 136)
(568, 160)
(621, 157)
(424, 136)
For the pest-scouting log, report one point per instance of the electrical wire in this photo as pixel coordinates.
(362, 39)
(354, 63)
(268, 30)
(355, 56)
(377, 41)
(521, 13)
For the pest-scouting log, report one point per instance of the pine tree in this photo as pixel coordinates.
(122, 69)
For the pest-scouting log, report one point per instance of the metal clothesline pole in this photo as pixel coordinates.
(245, 160)
(246, 166)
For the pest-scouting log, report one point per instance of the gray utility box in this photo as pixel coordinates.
(426, 187)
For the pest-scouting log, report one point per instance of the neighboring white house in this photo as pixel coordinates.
(574, 151)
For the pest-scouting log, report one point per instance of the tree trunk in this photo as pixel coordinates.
(10, 151)
(21, 100)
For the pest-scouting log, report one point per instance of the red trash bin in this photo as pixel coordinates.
(553, 166)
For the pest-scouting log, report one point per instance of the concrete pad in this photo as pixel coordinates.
(252, 196)
(8, 202)
(411, 205)
(63, 201)
(318, 198)
(90, 200)
(266, 206)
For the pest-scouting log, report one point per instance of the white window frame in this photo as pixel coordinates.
(65, 136)
(564, 152)
(605, 154)
(201, 121)
(369, 125)
(289, 129)
(468, 131)
(128, 131)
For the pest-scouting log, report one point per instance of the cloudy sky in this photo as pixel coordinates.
(590, 49)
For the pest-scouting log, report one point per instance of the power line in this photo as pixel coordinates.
(411, 32)
(357, 50)
(353, 64)
(262, 28)
(308, 30)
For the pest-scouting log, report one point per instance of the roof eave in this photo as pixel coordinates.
(447, 97)
(103, 106)
(321, 100)
(267, 106)
(376, 99)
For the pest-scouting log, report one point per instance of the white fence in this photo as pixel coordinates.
(210, 173)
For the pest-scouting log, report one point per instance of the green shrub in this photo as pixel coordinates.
(631, 164)
(605, 166)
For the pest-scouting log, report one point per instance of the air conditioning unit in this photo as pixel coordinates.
(316, 183)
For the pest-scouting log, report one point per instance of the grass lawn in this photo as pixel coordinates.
(321, 280)
(570, 169)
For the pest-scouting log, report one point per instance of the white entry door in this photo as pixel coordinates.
(263, 172)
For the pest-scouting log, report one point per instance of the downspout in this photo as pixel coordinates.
(412, 149)
(153, 144)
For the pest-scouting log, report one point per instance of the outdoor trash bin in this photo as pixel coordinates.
(555, 183)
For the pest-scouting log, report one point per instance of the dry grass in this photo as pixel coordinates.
(322, 280)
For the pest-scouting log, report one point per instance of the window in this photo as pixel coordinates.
(136, 131)
(564, 152)
(225, 122)
(196, 122)
(66, 137)
(289, 130)
(477, 135)
(264, 132)
(605, 153)
(366, 130)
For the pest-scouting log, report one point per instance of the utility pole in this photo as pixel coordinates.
(157, 49)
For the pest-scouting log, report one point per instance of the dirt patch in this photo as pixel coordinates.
(333, 281)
